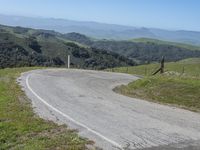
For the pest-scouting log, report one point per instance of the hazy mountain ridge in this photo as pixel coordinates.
(101, 30)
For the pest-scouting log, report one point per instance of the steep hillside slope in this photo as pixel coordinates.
(28, 47)
(143, 52)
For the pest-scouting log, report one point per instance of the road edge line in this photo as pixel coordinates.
(69, 118)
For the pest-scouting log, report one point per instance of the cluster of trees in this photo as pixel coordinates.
(12, 55)
(146, 52)
(98, 59)
(101, 59)
(33, 44)
(80, 38)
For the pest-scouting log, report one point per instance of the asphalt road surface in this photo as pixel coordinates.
(84, 100)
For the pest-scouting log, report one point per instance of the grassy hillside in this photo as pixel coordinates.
(187, 68)
(29, 47)
(178, 86)
(182, 45)
(20, 128)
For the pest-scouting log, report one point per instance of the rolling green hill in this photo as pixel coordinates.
(161, 42)
(28, 47)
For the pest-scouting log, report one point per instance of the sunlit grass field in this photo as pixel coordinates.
(178, 86)
(20, 128)
(187, 67)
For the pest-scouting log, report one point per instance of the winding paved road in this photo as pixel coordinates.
(84, 100)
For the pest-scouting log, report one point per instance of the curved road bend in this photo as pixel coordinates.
(84, 100)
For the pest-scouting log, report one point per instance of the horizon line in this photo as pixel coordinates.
(97, 22)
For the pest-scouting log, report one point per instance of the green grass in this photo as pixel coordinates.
(182, 92)
(20, 128)
(174, 87)
(161, 42)
(190, 61)
(187, 67)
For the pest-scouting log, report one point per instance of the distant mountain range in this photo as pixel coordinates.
(101, 30)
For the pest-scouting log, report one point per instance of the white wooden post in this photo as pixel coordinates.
(68, 64)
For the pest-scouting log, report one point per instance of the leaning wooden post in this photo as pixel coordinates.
(162, 65)
(161, 69)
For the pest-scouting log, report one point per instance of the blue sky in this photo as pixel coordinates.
(167, 14)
